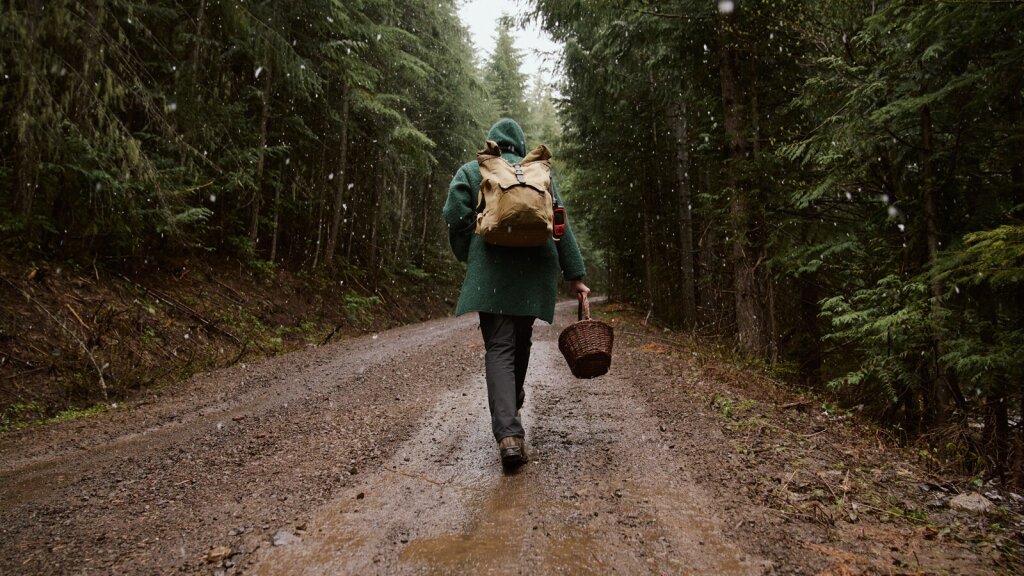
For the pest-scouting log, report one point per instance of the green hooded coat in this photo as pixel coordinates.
(499, 279)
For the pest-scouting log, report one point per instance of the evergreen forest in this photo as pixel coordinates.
(837, 186)
(835, 189)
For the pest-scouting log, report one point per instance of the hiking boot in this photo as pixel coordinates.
(513, 451)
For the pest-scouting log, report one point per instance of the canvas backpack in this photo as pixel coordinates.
(516, 206)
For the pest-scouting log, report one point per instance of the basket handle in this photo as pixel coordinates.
(583, 309)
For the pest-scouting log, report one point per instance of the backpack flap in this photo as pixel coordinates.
(515, 204)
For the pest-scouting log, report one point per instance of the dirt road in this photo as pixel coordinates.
(375, 456)
(599, 463)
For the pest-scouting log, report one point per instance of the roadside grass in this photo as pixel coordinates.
(23, 415)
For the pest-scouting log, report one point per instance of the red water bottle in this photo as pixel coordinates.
(558, 223)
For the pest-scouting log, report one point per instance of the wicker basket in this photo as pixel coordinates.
(587, 344)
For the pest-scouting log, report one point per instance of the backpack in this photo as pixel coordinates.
(516, 206)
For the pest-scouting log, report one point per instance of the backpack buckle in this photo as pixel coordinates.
(519, 173)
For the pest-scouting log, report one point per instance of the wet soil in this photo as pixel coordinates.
(374, 455)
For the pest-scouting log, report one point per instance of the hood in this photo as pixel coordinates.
(509, 136)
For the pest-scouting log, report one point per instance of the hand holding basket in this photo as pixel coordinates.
(587, 344)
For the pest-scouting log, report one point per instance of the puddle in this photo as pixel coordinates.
(502, 537)
(502, 551)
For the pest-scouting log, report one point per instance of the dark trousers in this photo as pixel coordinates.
(507, 341)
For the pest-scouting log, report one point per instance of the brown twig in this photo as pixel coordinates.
(240, 297)
(77, 317)
(99, 371)
(331, 335)
(9, 356)
(240, 353)
(26, 372)
(182, 307)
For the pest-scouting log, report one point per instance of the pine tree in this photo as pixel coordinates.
(504, 81)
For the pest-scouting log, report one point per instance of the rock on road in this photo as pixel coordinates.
(372, 455)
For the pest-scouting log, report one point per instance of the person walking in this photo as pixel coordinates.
(510, 287)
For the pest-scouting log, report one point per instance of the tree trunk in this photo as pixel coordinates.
(27, 164)
(935, 387)
(427, 196)
(397, 245)
(688, 296)
(808, 340)
(26, 152)
(711, 304)
(277, 212)
(645, 216)
(1001, 421)
(755, 115)
(319, 232)
(332, 237)
(1017, 153)
(1017, 187)
(746, 253)
(351, 231)
(375, 224)
(200, 22)
(317, 200)
(254, 207)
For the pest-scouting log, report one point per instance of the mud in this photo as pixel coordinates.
(601, 493)
(374, 456)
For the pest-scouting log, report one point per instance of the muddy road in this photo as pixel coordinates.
(374, 456)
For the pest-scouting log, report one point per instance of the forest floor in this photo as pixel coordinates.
(373, 455)
(76, 339)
